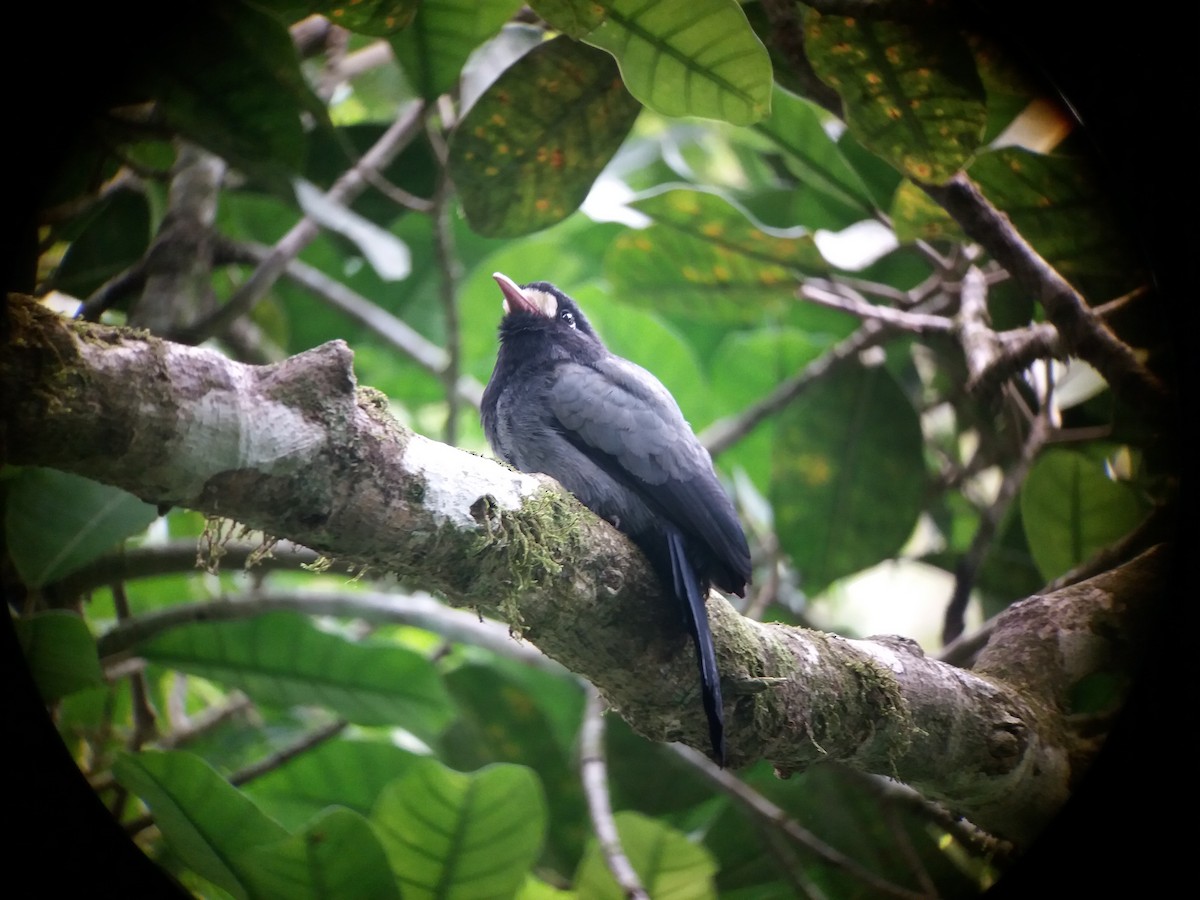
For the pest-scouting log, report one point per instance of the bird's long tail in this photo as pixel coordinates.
(688, 589)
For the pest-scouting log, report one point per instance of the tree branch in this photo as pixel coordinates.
(295, 449)
(593, 773)
(1080, 329)
(344, 190)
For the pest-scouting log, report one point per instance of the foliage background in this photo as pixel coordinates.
(486, 317)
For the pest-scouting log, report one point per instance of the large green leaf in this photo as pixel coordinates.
(795, 126)
(689, 57)
(55, 523)
(1071, 509)
(442, 36)
(502, 721)
(667, 863)
(208, 822)
(703, 257)
(349, 773)
(848, 474)
(234, 85)
(338, 855)
(115, 235)
(451, 835)
(60, 652)
(746, 367)
(1056, 204)
(282, 659)
(526, 154)
(910, 89)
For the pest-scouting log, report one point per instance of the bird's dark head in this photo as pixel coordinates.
(538, 304)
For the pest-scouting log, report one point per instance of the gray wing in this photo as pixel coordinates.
(629, 426)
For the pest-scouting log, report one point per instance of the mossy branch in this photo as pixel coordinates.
(297, 450)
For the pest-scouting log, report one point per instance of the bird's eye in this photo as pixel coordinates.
(567, 316)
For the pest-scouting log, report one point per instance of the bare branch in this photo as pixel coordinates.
(1081, 331)
(344, 190)
(762, 809)
(419, 610)
(593, 773)
(847, 300)
(967, 569)
(395, 331)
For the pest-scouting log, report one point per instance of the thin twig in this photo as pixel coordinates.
(129, 564)
(395, 331)
(144, 727)
(896, 794)
(763, 809)
(593, 773)
(967, 570)
(849, 301)
(345, 189)
(1082, 332)
(724, 433)
(450, 271)
(267, 764)
(421, 610)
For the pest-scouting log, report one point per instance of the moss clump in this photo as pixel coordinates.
(523, 548)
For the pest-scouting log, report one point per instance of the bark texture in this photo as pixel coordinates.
(299, 451)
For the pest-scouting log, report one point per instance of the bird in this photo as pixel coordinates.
(559, 402)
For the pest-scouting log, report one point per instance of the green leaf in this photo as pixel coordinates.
(910, 89)
(535, 889)
(916, 217)
(574, 18)
(350, 773)
(374, 17)
(448, 834)
(208, 822)
(667, 863)
(60, 652)
(116, 234)
(1071, 509)
(443, 34)
(503, 721)
(747, 366)
(1056, 204)
(281, 658)
(795, 126)
(234, 85)
(689, 57)
(526, 154)
(702, 257)
(56, 523)
(337, 855)
(848, 474)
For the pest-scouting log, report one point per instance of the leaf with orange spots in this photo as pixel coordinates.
(795, 126)
(443, 34)
(526, 154)
(910, 90)
(379, 18)
(574, 18)
(915, 217)
(1057, 204)
(704, 257)
(848, 474)
(689, 58)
